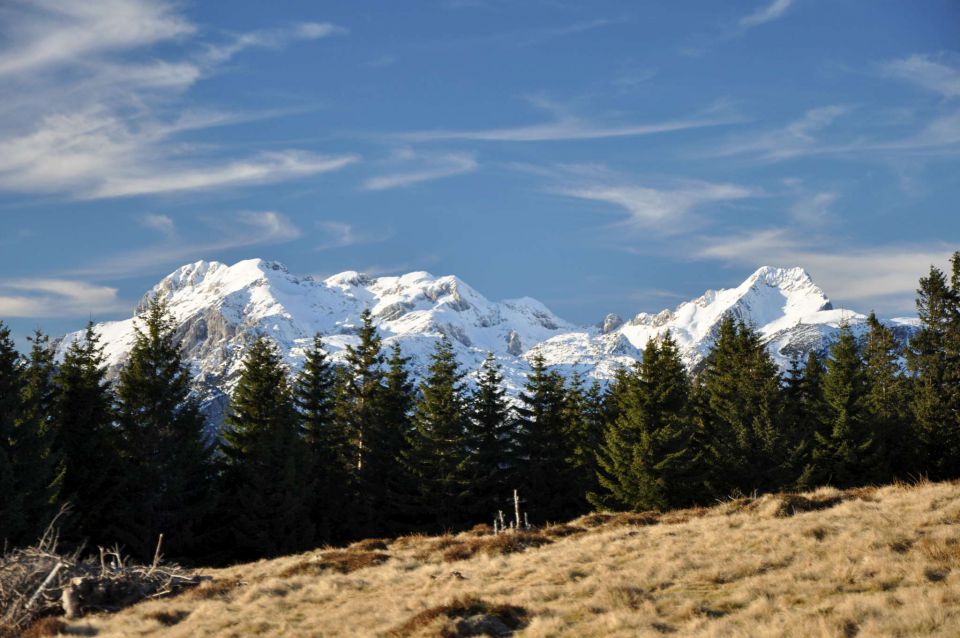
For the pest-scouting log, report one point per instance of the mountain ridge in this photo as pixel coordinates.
(220, 309)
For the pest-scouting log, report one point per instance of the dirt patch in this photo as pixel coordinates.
(340, 561)
(466, 616)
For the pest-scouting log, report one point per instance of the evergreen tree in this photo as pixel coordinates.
(887, 402)
(546, 480)
(847, 454)
(739, 405)
(491, 442)
(585, 416)
(934, 361)
(358, 409)
(167, 463)
(396, 490)
(85, 443)
(439, 457)
(805, 414)
(650, 457)
(328, 445)
(33, 464)
(13, 523)
(266, 488)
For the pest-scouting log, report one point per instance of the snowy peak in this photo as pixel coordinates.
(220, 309)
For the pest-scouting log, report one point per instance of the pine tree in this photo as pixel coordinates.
(739, 405)
(266, 486)
(33, 464)
(167, 463)
(13, 523)
(650, 457)
(887, 402)
(439, 457)
(934, 361)
(545, 478)
(805, 414)
(358, 407)
(492, 444)
(314, 394)
(585, 417)
(84, 430)
(390, 486)
(847, 454)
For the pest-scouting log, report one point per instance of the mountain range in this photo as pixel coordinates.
(220, 310)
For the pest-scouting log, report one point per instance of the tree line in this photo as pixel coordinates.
(355, 450)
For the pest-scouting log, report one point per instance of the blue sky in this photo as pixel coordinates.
(602, 156)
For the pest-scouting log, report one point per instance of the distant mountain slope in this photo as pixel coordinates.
(221, 309)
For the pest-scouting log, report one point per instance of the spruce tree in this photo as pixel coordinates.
(358, 410)
(805, 416)
(33, 464)
(491, 443)
(847, 453)
(739, 406)
(934, 361)
(545, 479)
(650, 458)
(328, 446)
(84, 430)
(887, 402)
(439, 457)
(585, 417)
(167, 463)
(266, 485)
(392, 488)
(13, 523)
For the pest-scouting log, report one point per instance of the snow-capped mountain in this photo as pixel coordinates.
(221, 309)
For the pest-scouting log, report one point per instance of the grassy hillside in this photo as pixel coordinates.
(865, 562)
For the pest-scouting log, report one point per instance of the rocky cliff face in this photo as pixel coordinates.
(221, 309)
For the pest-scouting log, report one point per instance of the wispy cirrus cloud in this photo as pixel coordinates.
(665, 205)
(53, 297)
(98, 111)
(567, 126)
(426, 167)
(665, 208)
(937, 73)
(338, 234)
(766, 13)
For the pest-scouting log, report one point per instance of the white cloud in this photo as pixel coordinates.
(793, 139)
(341, 235)
(46, 297)
(885, 276)
(934, 73)
(241, 230)
(767, 13)
(87, 117)
(567, 126)
(161, 223)
(662, 208)
(813, 209)
(271, 39)
(49, 33)
(430, 167)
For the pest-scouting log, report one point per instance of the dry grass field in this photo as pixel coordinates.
(867, 562)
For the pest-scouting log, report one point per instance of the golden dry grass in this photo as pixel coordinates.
(870, 562)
